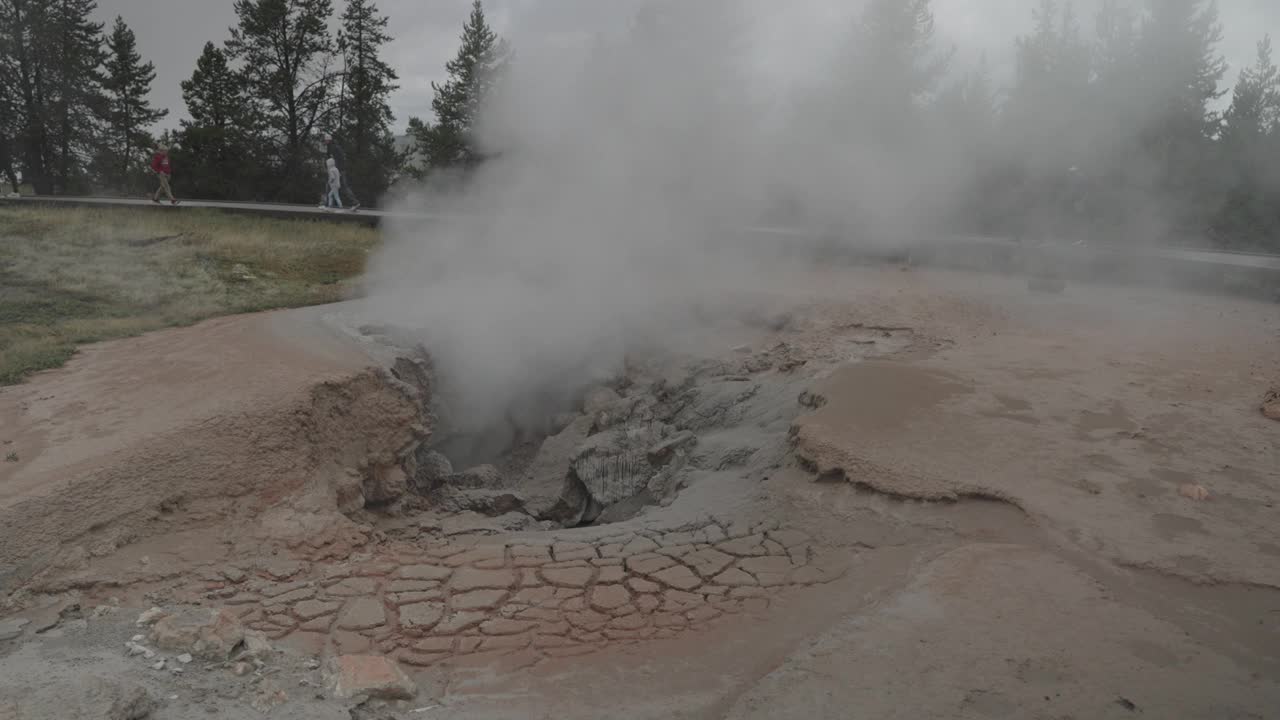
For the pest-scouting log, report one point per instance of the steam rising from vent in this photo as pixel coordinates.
(619, 161)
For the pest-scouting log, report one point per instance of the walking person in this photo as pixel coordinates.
(333, 151)
(333, 198)
(161, 167)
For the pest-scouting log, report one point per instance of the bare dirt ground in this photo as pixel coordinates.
(918, 494)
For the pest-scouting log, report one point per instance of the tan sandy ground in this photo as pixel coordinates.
(1069, 579)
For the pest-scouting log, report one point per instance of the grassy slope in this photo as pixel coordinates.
(70, 276)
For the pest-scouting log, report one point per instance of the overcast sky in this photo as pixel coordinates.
(172, 33)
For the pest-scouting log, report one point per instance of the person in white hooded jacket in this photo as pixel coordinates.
(332, 198)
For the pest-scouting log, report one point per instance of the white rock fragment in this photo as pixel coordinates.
(150, 616)
(185, 658)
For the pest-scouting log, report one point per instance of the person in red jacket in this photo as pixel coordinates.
(160, 166)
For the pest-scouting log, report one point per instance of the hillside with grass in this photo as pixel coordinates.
(70, 276)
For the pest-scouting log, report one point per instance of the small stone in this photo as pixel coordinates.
(372, 675)
(241, 669)
(207, 634)
(185, 658)
(149, 617)
(256, 645)
(1195, 492)
(158, 665)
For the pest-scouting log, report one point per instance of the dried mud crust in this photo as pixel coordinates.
(316, 453)
(541, 598)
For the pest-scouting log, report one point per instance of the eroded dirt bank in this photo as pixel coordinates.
(911, 494)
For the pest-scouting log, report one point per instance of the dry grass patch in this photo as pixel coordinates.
(70, 276)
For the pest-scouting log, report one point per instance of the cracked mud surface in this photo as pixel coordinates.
(541, 599)
(927, 495)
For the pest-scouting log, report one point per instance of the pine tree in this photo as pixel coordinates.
(215, 94)
(1177, 56)
(1045, 126)
(965, 114)
(363, 123)
(21, 72)
(1178, 51)
(1050, 84)
(52, 66)
(285, 50)
(120, 163)
(218, 147)
(450, 142)
(10, 101)
(75, 57)
(1250, 213)
(896, 66)
(1255, 103)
